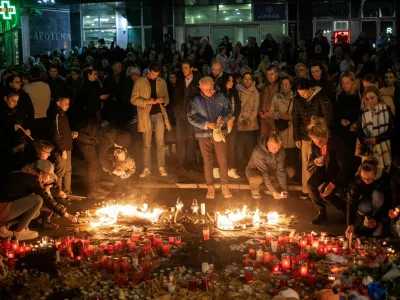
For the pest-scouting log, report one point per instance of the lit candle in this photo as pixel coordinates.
(315, 243)
(90, 251)
(6, 244)
(260, 255)
(126, 265)
(171, 239)
(274, 244)
(21, 250)
(268, 237)
(158, 241)
(252, 253)
(303, 242)
(116, 265)
(178, 240)
(276, 266)
(285, 261)
(248, 275)
(14, 244)
(195, 207)
(246, 259)
(303, 254)
(303, 268)
(206, 233)
(203, 209)
(267, 257)
(321, 248)
(329, 247)
(10, 254)
(345, 245)
(205, 267)
(165, 248)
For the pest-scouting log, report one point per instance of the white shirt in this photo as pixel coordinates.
(40, 94)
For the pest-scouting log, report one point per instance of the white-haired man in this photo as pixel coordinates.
(209, 112)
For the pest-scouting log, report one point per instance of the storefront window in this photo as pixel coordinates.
(201, 14)
(147, 16)
(90, 21)
(234, 13)
(148, 37)
(134, 17)
(135, 36)
(277, 30)
(107, 19)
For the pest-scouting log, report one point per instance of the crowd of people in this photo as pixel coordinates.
(277, 113)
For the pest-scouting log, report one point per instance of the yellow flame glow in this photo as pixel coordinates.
(273, 217)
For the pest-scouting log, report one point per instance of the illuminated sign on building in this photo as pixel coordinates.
(7, 10)
(341, 33)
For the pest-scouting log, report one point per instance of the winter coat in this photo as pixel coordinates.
(250, 103)
(25, 109)
(58, 88)
(89, 96)
(40, 94)
(20, 184)
(303, 109)
(100, 134)
(179, 103)
(8, 136)
(336, 161)
(266, 162)
(61, 130)
(141, 93)
(283, 103)
(203, 110)
(267, 94)
(270, 48)
(387, 95)
(359, 190)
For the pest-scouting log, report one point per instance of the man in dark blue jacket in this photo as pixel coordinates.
(208, 113)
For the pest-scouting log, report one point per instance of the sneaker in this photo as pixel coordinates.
(232, 173)
(5, 233)
(255, 194)
(163, 173)
(96, 195)
(26, 234)
(144, 173)
(322, 216)
(216, 173)
(304, 196)
(210, 192)
(225, 192)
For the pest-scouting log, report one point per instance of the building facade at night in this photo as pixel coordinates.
(37, 26)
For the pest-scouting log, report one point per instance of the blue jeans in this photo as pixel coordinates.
(157, 122)
(63, 170)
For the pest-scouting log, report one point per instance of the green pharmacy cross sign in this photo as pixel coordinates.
(7, 10)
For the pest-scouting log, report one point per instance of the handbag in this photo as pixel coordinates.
(280, 124)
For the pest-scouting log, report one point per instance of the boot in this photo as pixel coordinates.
(226, 192)
(322, 216)
(210, 192)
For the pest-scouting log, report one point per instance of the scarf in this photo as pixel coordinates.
(374, 123)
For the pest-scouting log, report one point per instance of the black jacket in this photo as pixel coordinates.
(20, 184)
(270, 48)
(179, 104)
(338, 156)
(319, 105)
(25, 109)
(61, 131)
(100, 134)
(237, 108)
(8, 136)
(89, 96)
(359, 190)
(58, 88)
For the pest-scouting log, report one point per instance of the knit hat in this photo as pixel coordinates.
(123, 139)
(46, 167)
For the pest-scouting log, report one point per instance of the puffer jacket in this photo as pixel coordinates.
(250, 103)
(266, 162)
(303, 109)
(203, 110)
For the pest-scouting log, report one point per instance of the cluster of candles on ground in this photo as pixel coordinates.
(270, 248)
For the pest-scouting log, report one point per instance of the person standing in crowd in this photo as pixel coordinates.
(130, 111)
(218, 75)
(374, 129)
(268, 92)
(301, 72)
(25, 107)
(208, 113)
(322, 41)
(57, 84)
(267, 164)
(269, 47)
(74, 83)
(281, 111)
(113, 86)
(231, 93)
(40, 94)
(149, 93)
(247, 123)
(369, 201)
(223, 58)
(63, 140)
(205, 52)
(328, 164)
(184, 91)
(348, 110)
(387, 92)
(95, 139)
(227, 44)
(309, 102)
(91, 96)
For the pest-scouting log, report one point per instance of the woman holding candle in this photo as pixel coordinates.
(369, 200)
(328, 163)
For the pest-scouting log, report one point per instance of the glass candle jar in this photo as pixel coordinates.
(126, 265)
(171, 239)
(165, 248)
(276, 266)
(303, 254)
(248, 275)
(303, 268)
(111, 248)
(252, 253)
(192, 284)
(260, 255)
(246, 259)
(116, 265)
(178, 240)
(274, 244)
(206, 233)
(303, 242)
(321, 248)
(267, 257)
(90, 251)
(285, 261)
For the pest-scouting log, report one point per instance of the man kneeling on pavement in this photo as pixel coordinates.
(22, 197)
(267, 164)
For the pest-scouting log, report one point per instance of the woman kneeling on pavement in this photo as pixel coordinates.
(369, 200)
(328, 163)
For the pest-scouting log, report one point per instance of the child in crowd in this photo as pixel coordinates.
(124, 166)
(63, 141)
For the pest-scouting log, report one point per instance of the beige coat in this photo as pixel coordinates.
(387, 95)
(250, 103)
(267, 125)
(141, 94)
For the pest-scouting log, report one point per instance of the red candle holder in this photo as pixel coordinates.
(28, 249)
(248, 275)
(146, 269)
(96, 265)
(246, 259)
(151, 239)
(276, 266)
(256, 264)
(192, 284)
(118, 245)
(14, 245)
(285, 261)
(109, 264)
(131, 246)
(252, 253)
(171, 239)
(111, 248)
(21, 251)
(158, 241)
(267, 257)
(104, 261)
(263, 242)
(296, 271)
(90, 251)
(165, 248)
(303, 254)
(6, 243)
(303, 268)
(315, 243)
(206, 233)
(303, 243)
(147, 248)
(178, 240)
(321, 248)
(126, 265)
(312, 277)
(135, 236)
(10, 254)
(116, 265)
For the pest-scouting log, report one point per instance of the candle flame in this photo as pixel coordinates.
(108, 215)
(273, 217)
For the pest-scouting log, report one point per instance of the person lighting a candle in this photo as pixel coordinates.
(369, 200)
(328, 164)
(267, 164)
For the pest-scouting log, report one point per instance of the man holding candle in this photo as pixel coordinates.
(267, 164)
(208, 113)
(23, 196)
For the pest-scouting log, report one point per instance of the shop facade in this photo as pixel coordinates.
(10, 34)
